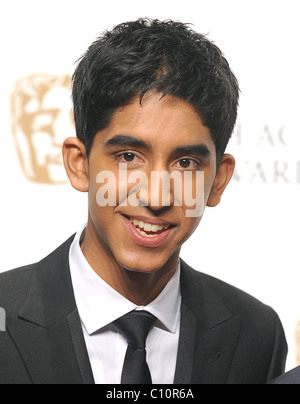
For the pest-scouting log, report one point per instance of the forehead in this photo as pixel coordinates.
(160, 122)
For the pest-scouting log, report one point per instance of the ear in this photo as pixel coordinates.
(222, 179)
(76, 163)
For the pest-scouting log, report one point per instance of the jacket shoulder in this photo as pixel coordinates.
(14, 283)
(261, 341)
(13, 287)
(235, 299)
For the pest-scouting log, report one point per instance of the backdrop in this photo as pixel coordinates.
(251, 239)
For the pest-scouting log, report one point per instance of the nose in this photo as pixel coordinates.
(159, 192)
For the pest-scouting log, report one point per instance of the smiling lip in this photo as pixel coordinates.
(151, 220)
(148, 232)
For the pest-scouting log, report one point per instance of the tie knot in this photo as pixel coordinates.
(135, 327)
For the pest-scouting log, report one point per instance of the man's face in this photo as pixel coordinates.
(159, 135)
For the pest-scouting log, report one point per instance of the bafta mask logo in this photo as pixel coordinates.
(41, 118)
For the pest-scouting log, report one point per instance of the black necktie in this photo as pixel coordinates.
(135, 327)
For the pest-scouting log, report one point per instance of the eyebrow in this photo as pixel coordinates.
(127, 140)
(198, 149)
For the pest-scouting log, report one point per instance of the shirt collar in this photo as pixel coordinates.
(99, 304)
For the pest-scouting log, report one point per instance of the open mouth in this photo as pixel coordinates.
(148, 229)
(148, 234)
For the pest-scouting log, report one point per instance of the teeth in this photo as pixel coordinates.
(145, 234)
(147, 226)
(154, 228)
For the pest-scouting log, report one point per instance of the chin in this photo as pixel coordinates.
(142, 268)
(146, 263)
(141, 264)
(141, 271)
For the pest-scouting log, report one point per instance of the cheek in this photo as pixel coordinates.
(196, 191)
(208, 184)
(188, 227)
(99, 208)
(192, 224)
(92, 195)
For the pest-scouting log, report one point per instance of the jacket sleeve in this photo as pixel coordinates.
(278, 361)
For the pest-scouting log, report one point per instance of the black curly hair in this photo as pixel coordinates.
(136, 57)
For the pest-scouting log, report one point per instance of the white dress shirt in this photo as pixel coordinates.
(99, 305)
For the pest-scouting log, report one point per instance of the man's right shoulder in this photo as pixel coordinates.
(14, 283)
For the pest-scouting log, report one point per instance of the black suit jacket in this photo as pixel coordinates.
(291, 377)
(226, 335)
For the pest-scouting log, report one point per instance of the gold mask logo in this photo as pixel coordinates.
(41, 119)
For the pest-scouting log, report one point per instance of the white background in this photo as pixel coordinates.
(251, 239)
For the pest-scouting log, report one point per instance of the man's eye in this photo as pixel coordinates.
(188, 163)
(185, 163)
(128, 156)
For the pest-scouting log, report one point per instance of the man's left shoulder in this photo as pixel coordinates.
(236, 301)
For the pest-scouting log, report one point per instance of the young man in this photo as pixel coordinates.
(150, 98)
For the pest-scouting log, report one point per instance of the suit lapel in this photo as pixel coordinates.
(186, 347)
(80, 348)
(208, 333)
(49, 317)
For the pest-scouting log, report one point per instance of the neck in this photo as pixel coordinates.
(141, 288)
